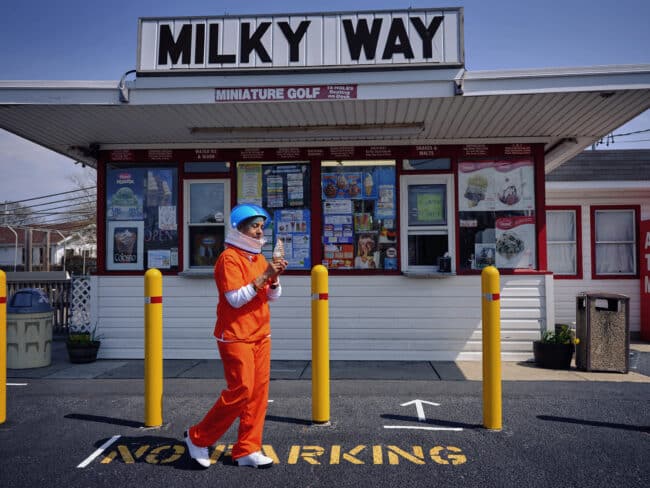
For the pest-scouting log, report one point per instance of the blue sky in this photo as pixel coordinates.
(91, 40)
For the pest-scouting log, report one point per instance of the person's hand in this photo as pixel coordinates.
(276, 267)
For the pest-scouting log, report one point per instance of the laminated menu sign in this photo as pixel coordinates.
(338, 256)
(515, 242)
(492, 185)
(292, 228)
(285, 185)
(337, 229)
(124, 192)
(249, 183)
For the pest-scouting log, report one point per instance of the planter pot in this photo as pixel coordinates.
(82, 352)
(553, 356)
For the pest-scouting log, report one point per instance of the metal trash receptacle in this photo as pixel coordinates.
(603, 328)
(29, 329)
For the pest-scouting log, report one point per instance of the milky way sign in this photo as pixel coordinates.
(321, 41)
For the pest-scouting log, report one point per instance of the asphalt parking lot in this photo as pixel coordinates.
(560, 428)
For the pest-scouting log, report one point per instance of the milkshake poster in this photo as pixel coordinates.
(125, 243)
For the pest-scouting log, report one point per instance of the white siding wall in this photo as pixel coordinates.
(371, 318)
(567, 289)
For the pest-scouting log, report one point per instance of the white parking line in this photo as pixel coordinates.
(101, 449)
(417, 427)
(16, 384)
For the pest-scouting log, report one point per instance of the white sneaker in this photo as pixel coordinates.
(199, 454)
(256, 460)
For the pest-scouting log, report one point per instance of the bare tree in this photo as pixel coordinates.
(14, 213)
(85, 207)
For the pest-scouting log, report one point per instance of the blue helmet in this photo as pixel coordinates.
(245, 211)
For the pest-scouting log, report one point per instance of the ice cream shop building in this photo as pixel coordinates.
(376, 153)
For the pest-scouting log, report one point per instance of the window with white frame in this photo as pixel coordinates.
(615, 241)
(426, 208)
(562, 241)
(207, 205)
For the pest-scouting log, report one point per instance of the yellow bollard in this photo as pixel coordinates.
(320, 353)
(491, 311)
(153, 348)
(3, 347)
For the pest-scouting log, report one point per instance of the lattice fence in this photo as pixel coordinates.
(80, 321)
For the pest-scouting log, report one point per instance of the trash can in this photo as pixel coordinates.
(29, 329)
(603, 327)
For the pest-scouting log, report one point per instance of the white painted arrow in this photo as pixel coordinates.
(418, 407)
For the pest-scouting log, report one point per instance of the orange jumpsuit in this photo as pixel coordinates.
(244, 342)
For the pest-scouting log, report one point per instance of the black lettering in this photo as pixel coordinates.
(213, 48)
(426, 34)
(199, 43)
(398, 41)
(362, 38)
(254, 43)
(174, 49)
(294, 38)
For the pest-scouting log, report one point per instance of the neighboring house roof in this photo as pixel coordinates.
(606, 166)
(39, 236)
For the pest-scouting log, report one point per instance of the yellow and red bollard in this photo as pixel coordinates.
(3, 347)
(320, 353)
(153, 348)
(491, 313)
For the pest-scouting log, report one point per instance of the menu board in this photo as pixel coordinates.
(293, 228)
(359, 217)
(145, 198)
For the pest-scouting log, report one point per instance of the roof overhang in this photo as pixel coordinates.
(565, 109)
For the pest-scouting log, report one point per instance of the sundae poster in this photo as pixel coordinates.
(125, 194)
(515, 242)
(125, 243)
(496, 185)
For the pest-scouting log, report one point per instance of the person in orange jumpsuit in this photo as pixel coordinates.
(246, 282)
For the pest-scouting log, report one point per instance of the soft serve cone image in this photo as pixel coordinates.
(368, 184)
(278, 251)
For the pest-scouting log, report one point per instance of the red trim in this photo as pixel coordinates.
(531, 151)
(152, 300)
(101, 214)
(644, 288)
(578, 213)
(540, 202)
(3, 300)
(492, 297)
(316, 212)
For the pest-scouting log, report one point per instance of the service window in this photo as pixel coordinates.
(141, 216)
(496, 212)
(426, 205)
(359, 215)
(615, 241)
(206, 207)
(562, 243)
(283, 189)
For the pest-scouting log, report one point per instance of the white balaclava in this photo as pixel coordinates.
(238, 239)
